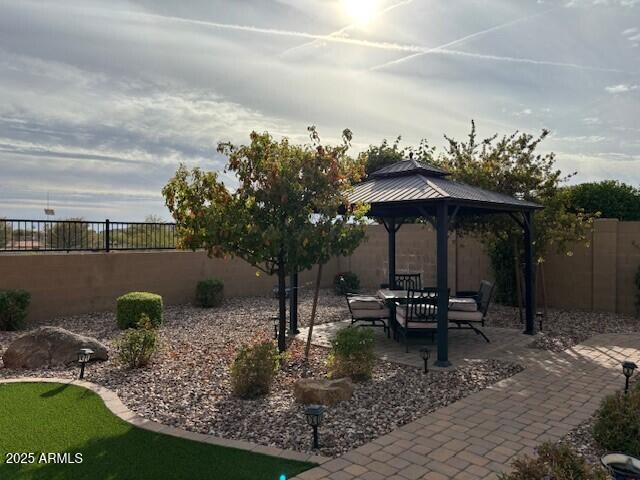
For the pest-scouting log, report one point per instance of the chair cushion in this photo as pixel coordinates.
(361, 313)
(465, 316)
(463, 304)
(365, 302)
(401, 319)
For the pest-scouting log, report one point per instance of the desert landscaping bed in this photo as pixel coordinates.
(187, 385)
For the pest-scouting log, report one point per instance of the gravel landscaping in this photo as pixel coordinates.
(187, 385)
(565, 328)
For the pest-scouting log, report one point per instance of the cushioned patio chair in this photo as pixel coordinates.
(468, 318)
(368, 309)
(418, 314)
(406, 281)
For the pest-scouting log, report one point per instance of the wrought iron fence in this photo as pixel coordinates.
(17, 235)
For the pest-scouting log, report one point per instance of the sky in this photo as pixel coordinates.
(100, 101)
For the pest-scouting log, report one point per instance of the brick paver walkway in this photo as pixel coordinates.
(479, 436)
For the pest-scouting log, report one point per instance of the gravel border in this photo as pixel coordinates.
(187, 385)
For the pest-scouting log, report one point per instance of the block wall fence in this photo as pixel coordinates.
(598, 277)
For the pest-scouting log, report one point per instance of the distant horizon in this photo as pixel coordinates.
(103, 100)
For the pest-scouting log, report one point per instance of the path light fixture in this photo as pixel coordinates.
(282, 477)
(628, 369)
(314, 419)
(84, 355)
(425, 354)
(621, 466)
(276, 321)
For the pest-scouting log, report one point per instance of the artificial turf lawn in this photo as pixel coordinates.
(52, 417)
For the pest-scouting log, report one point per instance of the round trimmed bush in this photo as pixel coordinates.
(617, 424)
(131, 306)
(210, 293)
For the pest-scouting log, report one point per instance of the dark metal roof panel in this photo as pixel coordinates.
(417, 187)
(405, 167)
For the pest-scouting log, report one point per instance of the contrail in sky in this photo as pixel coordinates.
(461, 40)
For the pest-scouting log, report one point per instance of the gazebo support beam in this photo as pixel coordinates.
(442, 255)
(529, 294)
(392, 227)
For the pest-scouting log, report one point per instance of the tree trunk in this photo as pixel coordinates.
(282, 300)
(313, 312)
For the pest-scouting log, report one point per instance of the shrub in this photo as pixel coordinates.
(352, 354)
(13, 309)
(557, 462)
(254, 368)
(136, 346)
(132, 305)
(351, 283)
(617, 425)
(210, 293)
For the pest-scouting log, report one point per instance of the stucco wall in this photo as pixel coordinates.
(597, 277)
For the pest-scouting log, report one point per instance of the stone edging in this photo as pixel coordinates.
(121, 411)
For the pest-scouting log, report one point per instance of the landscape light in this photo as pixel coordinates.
(84, 355)
(425, 354)
(276, 321)
(627, 369)
(314, 419)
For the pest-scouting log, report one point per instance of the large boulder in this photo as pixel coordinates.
(49, 347)
(322, 391)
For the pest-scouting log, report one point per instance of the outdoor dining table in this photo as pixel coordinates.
(393, 297)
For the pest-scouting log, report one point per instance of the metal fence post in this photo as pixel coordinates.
(107, 234)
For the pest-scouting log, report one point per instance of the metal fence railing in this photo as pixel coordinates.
(18, 235)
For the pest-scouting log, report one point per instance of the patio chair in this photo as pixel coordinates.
(367, 308)
(470, 319)
(408, 281)
(419, 313)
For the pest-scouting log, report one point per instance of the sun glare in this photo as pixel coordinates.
(360, 11)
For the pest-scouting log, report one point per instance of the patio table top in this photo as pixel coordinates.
(455, 303)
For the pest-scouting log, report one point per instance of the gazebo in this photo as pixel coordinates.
(409, 189)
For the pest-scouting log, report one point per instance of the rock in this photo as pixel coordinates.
(48, 347)
(322, 391)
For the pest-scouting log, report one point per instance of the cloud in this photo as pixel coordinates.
(621, 88)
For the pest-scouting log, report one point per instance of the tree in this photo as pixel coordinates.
(282, 216)
(612, 199)
(70, 234)
(511, 165)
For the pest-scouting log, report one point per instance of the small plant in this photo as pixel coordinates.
(210, 293)
(617, 425)
(555, 462)
(132, 305)
(136, 346)
(352, 354)
(13, 309)
(254, 368)
(346, 282)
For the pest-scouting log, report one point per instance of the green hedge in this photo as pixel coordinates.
(346, 282)
(210, 293)
(132, 305)
(13, 309)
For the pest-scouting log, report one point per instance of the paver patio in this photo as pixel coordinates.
(479, 436)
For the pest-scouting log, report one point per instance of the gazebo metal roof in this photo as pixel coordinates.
(410, 183)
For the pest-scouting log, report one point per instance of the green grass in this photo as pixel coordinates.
(49, 417)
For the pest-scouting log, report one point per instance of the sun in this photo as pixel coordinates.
(360, 11)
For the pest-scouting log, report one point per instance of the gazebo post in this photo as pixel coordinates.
(390, 226)
(529, 294)
(442, 231)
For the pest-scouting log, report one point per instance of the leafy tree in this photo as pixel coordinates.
(511, 165)
(70, 234)
(609, 198)
(150, 234)
(282, 216)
